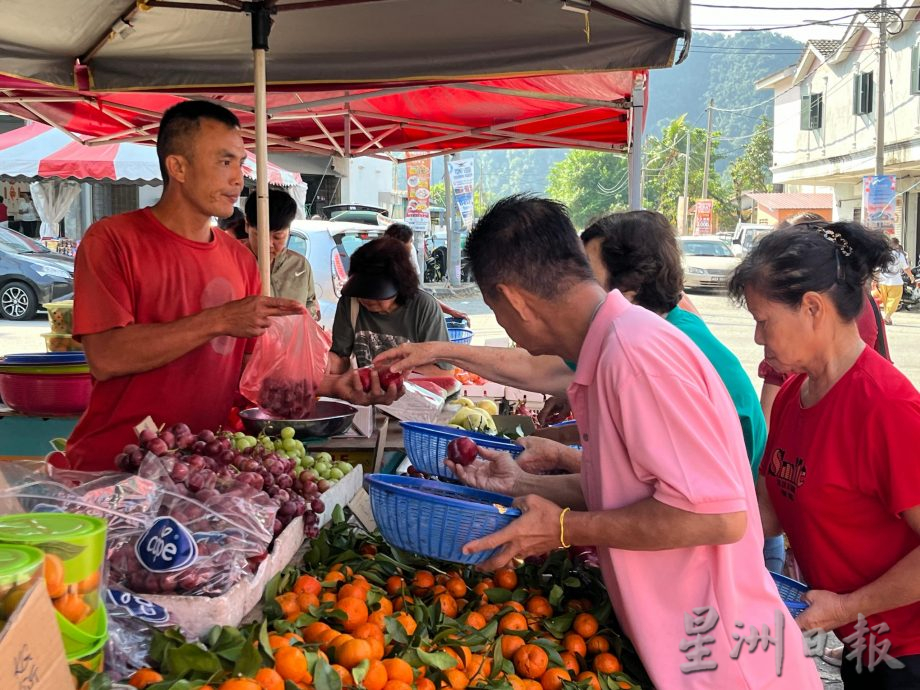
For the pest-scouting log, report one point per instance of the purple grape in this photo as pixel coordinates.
(251, 465)
(226, 457)
(179, 472)
(123, 462)
(130, 448)
(195, 461)
(311, 532)
(146, 436)
(205, 495)
(201, 479)
(181, 429)
(207, 436)
(199, 447)
(317, 506)
(252, 479)
(310, 518)
(277, 527)
(212, 448)
(185, 441)
(168, 438)
(301, 507)
(284, 481)
(324, 485)
(288, 509)
(224, 443)
(282, 495)
(158, 447)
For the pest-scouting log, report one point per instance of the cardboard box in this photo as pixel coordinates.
(197, 615)
(30, 657)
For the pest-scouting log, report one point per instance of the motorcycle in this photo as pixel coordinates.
(911, 298)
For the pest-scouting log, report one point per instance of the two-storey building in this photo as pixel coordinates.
(825, 110)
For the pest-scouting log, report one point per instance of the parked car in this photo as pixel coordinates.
(328, 246)
(357, 213)
(30, 275)
(708, 262)
(746, 236)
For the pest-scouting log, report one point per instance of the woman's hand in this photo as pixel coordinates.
(348, 387)
(555, 410)
(541, 455)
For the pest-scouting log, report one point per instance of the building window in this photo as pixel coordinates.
(915, 70)
(863, 93)
(812, 113)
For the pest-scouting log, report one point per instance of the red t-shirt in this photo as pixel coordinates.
(840, 473)
(131, 269)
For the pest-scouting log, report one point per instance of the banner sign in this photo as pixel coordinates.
(703, 220)
(418, 182)
(879, 208)
(461, 180)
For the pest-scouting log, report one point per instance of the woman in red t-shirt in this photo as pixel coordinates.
(840, 474)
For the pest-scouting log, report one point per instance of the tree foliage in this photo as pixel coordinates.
(750, 172)
(590, 183)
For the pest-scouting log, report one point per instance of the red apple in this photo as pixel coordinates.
(462, 451)
(387, 377)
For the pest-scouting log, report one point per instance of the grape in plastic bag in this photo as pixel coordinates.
(287, 366)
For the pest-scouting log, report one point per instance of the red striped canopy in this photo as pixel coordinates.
(39, 151)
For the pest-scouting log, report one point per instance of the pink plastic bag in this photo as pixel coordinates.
(287, 366)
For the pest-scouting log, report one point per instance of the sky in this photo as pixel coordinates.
(729, 16)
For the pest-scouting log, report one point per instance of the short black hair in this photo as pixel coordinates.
(639, 250)
(282, 209)
(836, 258)
(181, 121)
(235, 223)
(400, 231)
(529, 242)
(386, 257)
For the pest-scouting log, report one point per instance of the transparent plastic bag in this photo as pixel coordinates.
(287, 366)
(132, 620)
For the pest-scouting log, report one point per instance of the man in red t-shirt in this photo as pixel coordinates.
(162, 304)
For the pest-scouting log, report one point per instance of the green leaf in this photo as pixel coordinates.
(228, 643)
(271, 589)
(519, 595)
(551, 650)
(190, 658)
(559, 625)
(162, 641)
(264, 644)
(438, 660)
(325, 677)
(360, 671)
(499, 595)
(555, 595)
(249, 660)
(571, 582)
(395, 630)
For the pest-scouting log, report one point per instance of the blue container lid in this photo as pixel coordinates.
(45, 358)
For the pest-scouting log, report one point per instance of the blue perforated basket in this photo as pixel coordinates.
(426, 445)
(791, 591)
(434, 519)
(461, 336)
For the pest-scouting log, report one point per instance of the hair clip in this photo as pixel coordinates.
(838, 239)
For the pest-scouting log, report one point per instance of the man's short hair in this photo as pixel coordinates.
(179, 125)
(281, 210)
(529, 242)
(400, 231)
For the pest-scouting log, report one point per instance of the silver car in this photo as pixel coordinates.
(708, 262)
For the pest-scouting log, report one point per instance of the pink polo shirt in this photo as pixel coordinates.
(657, 422)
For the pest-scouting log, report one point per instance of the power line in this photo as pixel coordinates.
(816, 22)
(774, 7)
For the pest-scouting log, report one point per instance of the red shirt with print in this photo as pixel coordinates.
(131, 269)
(840, 473)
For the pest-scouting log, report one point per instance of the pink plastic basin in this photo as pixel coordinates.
(46, 394)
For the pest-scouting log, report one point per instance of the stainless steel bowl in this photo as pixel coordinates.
(330, 418)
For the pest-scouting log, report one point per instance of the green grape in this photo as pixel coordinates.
(287, 432)
(288, 443)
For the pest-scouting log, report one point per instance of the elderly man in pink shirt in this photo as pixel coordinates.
(664, 491)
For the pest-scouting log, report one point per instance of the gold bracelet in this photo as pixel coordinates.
(562, 527)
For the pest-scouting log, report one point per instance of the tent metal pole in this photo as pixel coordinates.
(265, 259)
(636, 119)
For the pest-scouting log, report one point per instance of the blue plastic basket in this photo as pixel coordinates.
(435, 519)
(426, 445)
(791, 591)
(461, 336)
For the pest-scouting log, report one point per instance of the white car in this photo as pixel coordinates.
(328, 246)
(708, 262)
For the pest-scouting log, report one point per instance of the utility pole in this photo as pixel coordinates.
(880, 110)
(708, 150)
(686, 201)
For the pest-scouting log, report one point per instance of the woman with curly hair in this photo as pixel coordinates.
(382, 307)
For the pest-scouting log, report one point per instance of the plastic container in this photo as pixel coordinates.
(426, 445)
(461, 336)
(60, 316)
(434, 519)
(791, 591)
(61, 342)
(46, 395)
(74, 547)
(20, 567)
